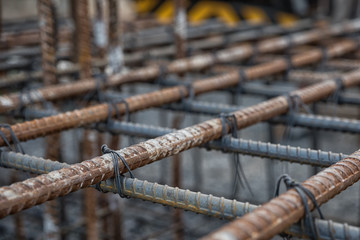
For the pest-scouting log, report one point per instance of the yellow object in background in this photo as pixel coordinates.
(226, 11)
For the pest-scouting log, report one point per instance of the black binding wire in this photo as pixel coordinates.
(335, 97)
(113, 105)
(255, 53)
(242, 79)
(295, 103)
(15, 140)
(186, 101)
(97, 94)
(289, 67)
(290, 42)
(189, 51)
(324, 59)
(163, 71)
(226, 40)
(118, 177)
(26, 94)
(229, 120)
(303, 193)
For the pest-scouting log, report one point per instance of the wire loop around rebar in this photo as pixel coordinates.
(118, 176)
(15, 140)
(295, 103)
(242, 79)
(303, 193)
(163, 71)
(229, 120)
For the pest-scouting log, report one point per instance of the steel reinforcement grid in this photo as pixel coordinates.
(80, 75)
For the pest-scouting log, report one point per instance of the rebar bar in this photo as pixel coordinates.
(301, 120)
(10, 102)
(247, 147)
(179, 198)
(278, 214)
(228, 144)
(321, 122)
(42, 127)
(48, 41)
(29, 192)
(84, 38)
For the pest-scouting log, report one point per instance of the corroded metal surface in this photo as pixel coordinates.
(10, 102)
(84, 38)
(48, 41)
(180, 198)
(278, 214)
(37, 190)
(41, 127)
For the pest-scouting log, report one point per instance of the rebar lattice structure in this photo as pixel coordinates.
(290, 92)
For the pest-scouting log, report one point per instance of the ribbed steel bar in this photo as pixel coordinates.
(30, 192)
(321, 122)
(48, 41)
(161, 35)
(179, 198)
(10, 102)
(343, 64)
(83, 38)
(301, 120)
(278, 214)
(167, 51)
(248, 147)
(42, 127)
(29, 38)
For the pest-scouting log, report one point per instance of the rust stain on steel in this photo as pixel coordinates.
(180, 28)
(44, 126)
(37, 190)
(48, 41)
(84, 38)
(11, 102)
(281, 212)
(29, 37)
(90, 196)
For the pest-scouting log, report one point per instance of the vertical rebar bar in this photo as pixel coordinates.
(100, 30)
(115, 50)
(73, 5)
(114, 204)
(47, 37)
(48, 51)
(176, 172)
(90, 195)
(180, 28)
(83, 38)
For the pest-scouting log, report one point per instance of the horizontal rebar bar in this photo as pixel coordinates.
(12, 101)
(297, 119)
(30, 192)
(179, 198)
(320, 122)
(229, 144)
(42, 127)
(248, 147)
(158, 52)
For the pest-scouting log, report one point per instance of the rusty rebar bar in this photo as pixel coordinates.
(178, 198)
(41, 127)
(278, 214)
(83, 38)
(176, 179)
(48, 41)
(89, 147)
(180, 26)
(10, 102)
(28, 193)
